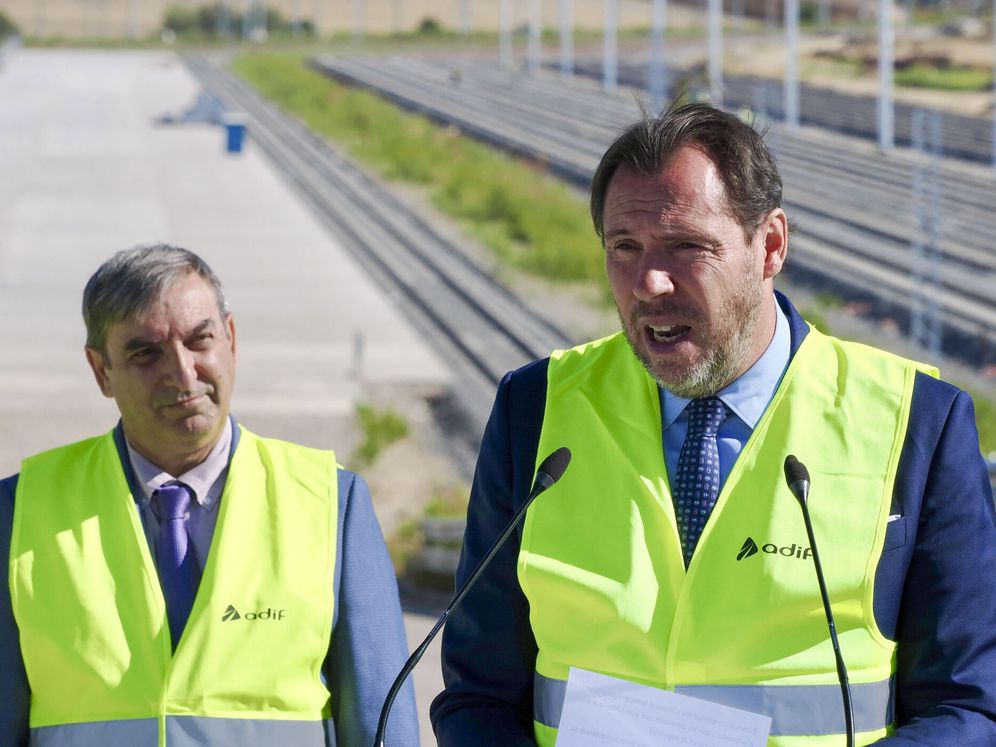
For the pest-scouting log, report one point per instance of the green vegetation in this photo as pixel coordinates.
(985, 419)
(381, 428)
(215, 21)
(935, 74)
(838, 66)
(937, 13)
(451, 501)
(429, 27)
(402, 546)
(93, 42)
(7, 26)
(409, 540)
(529, 219)
(945, 78)
(816, 313)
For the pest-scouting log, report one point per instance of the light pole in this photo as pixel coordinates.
(464, 18)
(658, 60)
(317, 17)
(358, 20)
(927, 265)
(566, 38)
(610, 75)
(295, 18)
(535, 32)
(716, 52)
(792, 64)
(505, 33)
(994, 90)
(886, 111)
(133, 19)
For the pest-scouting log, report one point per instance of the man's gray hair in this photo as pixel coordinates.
(132, 280)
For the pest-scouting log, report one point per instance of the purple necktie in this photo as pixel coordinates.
(696, 485)
(178, 571)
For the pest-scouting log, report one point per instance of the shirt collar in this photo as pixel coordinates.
(199, 479)
(749, 395)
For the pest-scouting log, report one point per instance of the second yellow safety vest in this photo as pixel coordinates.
(92, 619)
(601, 565)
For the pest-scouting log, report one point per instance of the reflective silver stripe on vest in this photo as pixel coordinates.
(187, 731)
(142, 731)
(810, 710)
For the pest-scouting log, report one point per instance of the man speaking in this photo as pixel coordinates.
(673, 553)
(180, 581)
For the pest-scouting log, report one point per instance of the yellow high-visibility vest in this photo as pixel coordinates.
(601, 564)
(92, 619)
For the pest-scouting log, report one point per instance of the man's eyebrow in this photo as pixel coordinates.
(137, 343)
(616, 232)
(204, 326)
(677, 233)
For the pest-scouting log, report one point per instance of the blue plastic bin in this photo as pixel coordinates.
(235, 131)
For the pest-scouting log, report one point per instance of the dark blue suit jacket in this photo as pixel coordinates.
(369, 639)
(935, 587)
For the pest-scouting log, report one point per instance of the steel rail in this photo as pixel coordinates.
(570, 136)
(475, 323)
(967, 137)
(574, 129)
(860, 208)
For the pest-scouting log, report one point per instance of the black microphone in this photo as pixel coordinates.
(797, 477)
(551, 470)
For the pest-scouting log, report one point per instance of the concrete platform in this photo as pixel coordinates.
(87, 169)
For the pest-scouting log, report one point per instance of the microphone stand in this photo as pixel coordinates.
(548, 473)
(797, 477)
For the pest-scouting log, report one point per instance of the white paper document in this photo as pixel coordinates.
(601, 710)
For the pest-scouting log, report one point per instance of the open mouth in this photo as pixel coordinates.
(667, 334)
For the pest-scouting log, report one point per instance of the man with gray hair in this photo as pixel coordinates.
(673, 552)
(181, 580)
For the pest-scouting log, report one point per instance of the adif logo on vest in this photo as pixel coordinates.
(749, 548)
(232, 614)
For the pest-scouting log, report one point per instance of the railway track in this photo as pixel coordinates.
(965, 137)
(853, 205)
(473, 322)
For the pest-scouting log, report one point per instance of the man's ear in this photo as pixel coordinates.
(774, 231)
(99, 365)
(230, 331)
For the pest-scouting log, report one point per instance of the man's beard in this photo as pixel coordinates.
(722, 362)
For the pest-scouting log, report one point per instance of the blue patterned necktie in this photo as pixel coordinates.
(696, 485)
(178, 571)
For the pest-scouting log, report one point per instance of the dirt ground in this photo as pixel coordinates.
(139, 18)
(414, 471)
(817, 66)
(764, 54)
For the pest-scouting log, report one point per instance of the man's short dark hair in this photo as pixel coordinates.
(746, 166)
(131, 281)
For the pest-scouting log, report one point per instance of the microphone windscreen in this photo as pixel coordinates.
(795, 471)
(556, 464)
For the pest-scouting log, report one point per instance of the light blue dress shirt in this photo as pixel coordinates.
(747, 398)
(206, 480)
